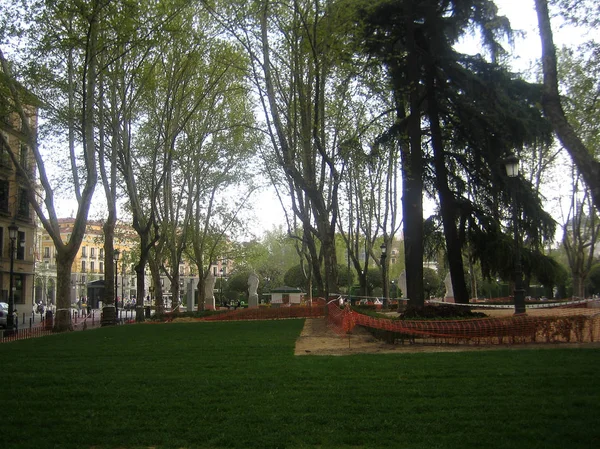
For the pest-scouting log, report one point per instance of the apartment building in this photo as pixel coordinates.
(88, 265)
(17, 217)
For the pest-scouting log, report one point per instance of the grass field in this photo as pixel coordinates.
(238, 385)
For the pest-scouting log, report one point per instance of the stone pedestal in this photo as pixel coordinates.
(253, 301)
(209, 303)
(209, 292)
(190, 296)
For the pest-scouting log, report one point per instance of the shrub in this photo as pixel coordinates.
(442, 311)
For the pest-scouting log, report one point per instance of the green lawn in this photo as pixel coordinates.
(238, 385)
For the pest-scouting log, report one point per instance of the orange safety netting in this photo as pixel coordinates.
(554, 325)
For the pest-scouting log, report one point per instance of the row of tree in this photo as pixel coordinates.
(346, 105)
(275, 261)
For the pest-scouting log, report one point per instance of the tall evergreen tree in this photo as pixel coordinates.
(450, 93)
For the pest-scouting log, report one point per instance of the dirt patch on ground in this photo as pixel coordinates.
(184, 319)
(317, 338)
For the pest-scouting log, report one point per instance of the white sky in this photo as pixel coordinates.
(527, 49)
(266, 210)
(526, 52)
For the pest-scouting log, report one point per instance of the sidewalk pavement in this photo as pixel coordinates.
(78, 317)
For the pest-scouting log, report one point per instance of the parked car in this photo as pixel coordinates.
(3, 314)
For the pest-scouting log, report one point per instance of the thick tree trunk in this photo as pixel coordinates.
(141, 287)
(158, 293)
(140, 274)
(582, 156)
(175, 288)
(62, 319)
(447, 202)
(109, 310)
(201, 297)
(315, 275)
(578, 285)
(412, 175)
(329, 257)
(412, 210)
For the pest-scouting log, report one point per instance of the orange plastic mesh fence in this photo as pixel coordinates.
(548, 325)
(340, 320)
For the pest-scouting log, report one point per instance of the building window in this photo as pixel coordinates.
(101, 267)
(46, 252)
(84, 251)
(92, 266)
(19, 284)
(83, 266)
(21, 246)
(101, 253)
(24, 157)
(5, 161)
(23, 209)
(4, 189)
(93, 252)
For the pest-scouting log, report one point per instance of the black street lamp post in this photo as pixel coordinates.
(383, 267)
(123, 283)
(45, 285)
(116, 257)
(512, 170)
(13, 231)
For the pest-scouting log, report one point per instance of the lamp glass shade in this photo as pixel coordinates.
(117, 254)
(13, 230)
(512, 165)
(383, 249)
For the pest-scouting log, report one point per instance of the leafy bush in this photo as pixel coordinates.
(442, 311)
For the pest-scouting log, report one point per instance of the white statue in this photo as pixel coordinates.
(252, 290)
(209, 292)
(449, 290)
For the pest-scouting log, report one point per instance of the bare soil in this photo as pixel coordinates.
(317, 338)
